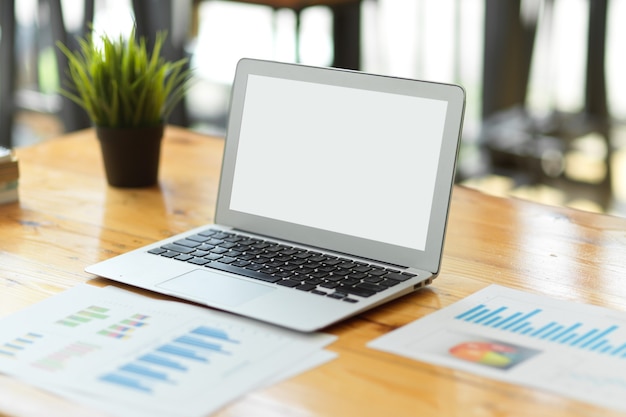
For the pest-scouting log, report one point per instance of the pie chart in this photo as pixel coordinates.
(486, 353)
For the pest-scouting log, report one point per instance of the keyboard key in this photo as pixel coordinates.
(188, 243)
(227, 245)
(290, 267)
(226, 260)
(198, 238)
(397, 276)
(389, 282)
(219, 250)
(177, 248)
(372, 287)
(222, 235)
(350, 281)
(361, 292)
(334, 278)
(377, 272)
(314, 281)
(338, 296)
(183, 257)
(157, 251)
(199, 261)
(208, 232)
(242, 271)
(288, 283)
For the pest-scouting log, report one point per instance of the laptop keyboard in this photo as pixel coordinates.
(304, 270)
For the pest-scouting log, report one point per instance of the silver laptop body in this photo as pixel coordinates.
(337, 168)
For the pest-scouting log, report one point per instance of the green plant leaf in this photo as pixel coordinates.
(120, 83)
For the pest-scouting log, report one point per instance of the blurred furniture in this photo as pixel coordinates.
(51, 28)
(177, 18)
(7, 72)
(508, 49)
(152, 16)
(68, 218)
(73, 116)
(346, 26)
(515, 139)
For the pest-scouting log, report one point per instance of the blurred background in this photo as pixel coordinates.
(545, 116)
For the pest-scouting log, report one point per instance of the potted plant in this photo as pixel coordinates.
(128, 93)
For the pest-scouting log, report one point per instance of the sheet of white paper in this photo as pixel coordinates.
(115, 409)
(135, 353)
(573, 349)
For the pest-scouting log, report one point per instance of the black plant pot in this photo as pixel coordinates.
(131, 155)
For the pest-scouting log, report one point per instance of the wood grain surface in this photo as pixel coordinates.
(68, 217)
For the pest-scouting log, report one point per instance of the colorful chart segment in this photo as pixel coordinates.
(56, 361)
(574, 334)
(492, 354)
(19, 344)
(84, 316)
(125, 328)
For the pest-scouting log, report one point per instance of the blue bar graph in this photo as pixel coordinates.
(192, 341)
(619, 350)
(529, 323)
(125, 382)
(182, 352)
(162, 361)
(167, 363)
(144, 371)
(13, 346)
(212, 332)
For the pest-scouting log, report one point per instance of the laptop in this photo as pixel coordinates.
(333, 198)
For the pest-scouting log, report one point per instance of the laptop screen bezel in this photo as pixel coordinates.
(428, 259)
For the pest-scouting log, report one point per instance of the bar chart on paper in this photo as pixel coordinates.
(131, 355)
(550, 325)
(570, 348)
(203, 348)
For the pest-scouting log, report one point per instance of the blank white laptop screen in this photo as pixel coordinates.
(332, 161)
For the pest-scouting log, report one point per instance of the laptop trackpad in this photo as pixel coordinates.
(212, 287)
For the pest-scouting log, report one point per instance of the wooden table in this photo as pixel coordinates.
(67, 218)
